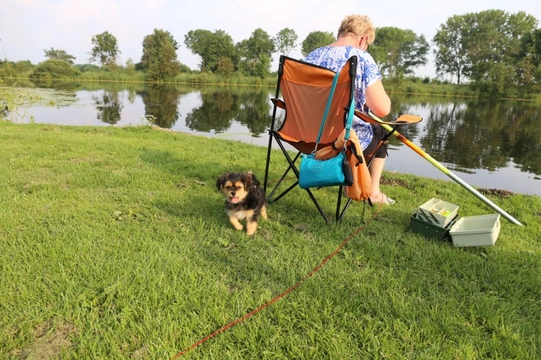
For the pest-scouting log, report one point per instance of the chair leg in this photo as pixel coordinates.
(341, 212)
(291, 167)
(267, 165)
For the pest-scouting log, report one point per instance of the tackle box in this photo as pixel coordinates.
(481, 230)
(438, 212)
(419, 224)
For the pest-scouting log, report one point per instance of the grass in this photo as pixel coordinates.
(114, 244)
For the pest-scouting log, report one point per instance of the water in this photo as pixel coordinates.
(495, 145)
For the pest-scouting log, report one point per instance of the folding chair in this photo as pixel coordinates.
(305, 89)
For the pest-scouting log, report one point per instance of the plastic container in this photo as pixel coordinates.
(482, 230)
(419, 225)
(438, 211)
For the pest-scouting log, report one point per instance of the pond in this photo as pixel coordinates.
(488, 144)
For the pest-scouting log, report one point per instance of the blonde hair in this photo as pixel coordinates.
(359, 25)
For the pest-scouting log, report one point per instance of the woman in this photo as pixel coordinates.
(355, 34)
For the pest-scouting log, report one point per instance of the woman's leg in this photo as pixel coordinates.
(376, 166)
(375, 169)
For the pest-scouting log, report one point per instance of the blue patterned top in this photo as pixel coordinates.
(334, 58)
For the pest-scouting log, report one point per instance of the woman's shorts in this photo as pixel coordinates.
(379, 134)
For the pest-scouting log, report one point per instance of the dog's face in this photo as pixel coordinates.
(236, 187)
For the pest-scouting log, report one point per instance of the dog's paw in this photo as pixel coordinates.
(235, 222)
(251, 227)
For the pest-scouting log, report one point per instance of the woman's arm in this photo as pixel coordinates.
(377, 99)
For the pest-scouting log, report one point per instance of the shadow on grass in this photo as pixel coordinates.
(166, 161)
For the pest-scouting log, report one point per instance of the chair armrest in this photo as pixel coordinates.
(403, 119)
(279, 103)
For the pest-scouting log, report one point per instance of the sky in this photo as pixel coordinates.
(28, 27)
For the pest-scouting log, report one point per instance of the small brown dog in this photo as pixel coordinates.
(244, 199)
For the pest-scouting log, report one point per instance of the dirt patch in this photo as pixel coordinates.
(393, 182)
(49, 341)
(496, 192)
(141, 353)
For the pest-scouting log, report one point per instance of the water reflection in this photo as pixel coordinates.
(474, 137)
(222, 106)
(255, 110)
(109, 107)
(161, 104)
(484, 135)
(217, 112)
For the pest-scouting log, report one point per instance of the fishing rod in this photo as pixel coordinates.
(404, 119)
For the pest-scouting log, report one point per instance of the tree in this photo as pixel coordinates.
(497, 43)
(130, 66)
(530, 47)
(159, 55)
(316, 39)
(213, 48)
(105, 49)
(484, 46)
(398, 51)
(285, 40)
(256, 52)
(59, 54)
(225, 66)
(451, 53)
(528, 67)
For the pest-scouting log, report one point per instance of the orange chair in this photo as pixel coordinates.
(305, 89)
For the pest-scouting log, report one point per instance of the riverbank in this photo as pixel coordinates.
(407, 85)
(115, 244)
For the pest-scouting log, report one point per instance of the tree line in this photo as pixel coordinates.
(491, 50)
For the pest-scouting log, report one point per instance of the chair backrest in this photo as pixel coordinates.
(305, 89)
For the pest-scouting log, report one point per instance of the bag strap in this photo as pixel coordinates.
(327, 108)
(349, 120)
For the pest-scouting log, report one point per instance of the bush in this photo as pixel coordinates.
(87, 67)
(54, 69)
(10, 68)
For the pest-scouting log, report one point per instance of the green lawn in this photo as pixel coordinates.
(114, 244)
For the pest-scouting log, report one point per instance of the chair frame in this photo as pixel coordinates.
(304, 147)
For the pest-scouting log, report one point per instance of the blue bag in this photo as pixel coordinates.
(330, 172)
(318, 173)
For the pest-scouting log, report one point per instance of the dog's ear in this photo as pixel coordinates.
(254, 179)
(220, 182)
(250, 179)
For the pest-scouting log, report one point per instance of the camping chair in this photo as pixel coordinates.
(305, 89)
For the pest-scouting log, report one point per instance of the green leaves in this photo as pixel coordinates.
(285, 41)
(256, 52)
(216, 49)
(159, 55)
(399, 51)
(105, 49)
(59, 54)
(54, 69)
(485, 47)
(316, 39)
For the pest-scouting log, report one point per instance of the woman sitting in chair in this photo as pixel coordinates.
(355, 34)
